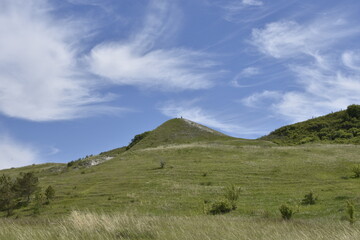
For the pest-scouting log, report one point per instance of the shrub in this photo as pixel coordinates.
(356, 171)
(220, 207)
(350, 210)
(309, 199)
(232, 194)
(39, 201)
(162, 164)
(70, 164)
(137, 139)
(49, 193)
(286, 212)
(353, 111)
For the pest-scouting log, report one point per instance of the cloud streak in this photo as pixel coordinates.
(15, 154)
(39, 74)
(324, 84)
(139, 62)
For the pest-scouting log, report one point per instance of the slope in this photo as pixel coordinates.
(177, 131)
(132, 181)
(338, 127)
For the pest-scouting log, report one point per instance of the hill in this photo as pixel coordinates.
(176, 131)
(338, 127)
(200, 164)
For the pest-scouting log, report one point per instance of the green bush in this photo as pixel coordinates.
(137, 139)
(232, 194)
(220, 207)
(353, 111)
(286, 212)
(309, 199)
(356, 171)
(162, 164)
(350, 210)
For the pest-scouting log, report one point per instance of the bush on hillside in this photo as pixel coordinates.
(309, 199)
(286, 212)
(137, 139)
(350, 210)
(232, 194)
(220, 207)
(356, 171)
(353, 111)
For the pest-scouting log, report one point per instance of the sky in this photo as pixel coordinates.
(79, 77)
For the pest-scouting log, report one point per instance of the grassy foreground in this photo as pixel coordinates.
(91, 226)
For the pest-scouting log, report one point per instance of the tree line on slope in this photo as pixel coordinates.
(339, 127)
(18, 193)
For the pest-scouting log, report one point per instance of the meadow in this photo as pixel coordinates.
(163, 190)
(100, 226)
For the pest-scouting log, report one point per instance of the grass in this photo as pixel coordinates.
(269, 176)
(130, 197)
(91, 226)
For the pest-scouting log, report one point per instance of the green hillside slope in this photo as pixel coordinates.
(176, 131)
(199, 165)
(338, 127)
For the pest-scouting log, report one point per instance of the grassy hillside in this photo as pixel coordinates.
(176, 131)
(198, 165)
(338, 127)
(269, 176)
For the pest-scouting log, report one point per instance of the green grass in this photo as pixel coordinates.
(338, 127)
(91, 226)
(132, 182)
(129, 196)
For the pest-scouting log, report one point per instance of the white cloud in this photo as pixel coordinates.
(140, 63)
(245, 73)
(351, 59)
(289, 39)
(257, 99)
(250, 71)
(188, 110)
(39, 77)
(323, 84)
(252, 2)
(15, 154)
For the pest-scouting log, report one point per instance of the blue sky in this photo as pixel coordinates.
(79, 77)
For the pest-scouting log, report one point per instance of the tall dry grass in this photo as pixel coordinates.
(90, 226)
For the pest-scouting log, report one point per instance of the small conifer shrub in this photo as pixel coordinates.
(309, 199)
(286, 212)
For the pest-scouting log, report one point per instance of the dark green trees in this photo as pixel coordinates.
(26, 185)
(17, 193)
(8, 195)
(49, 193)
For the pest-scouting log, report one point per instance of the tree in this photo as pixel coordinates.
(26, 185)
(8, 195)
(39, 201)
(49, 193)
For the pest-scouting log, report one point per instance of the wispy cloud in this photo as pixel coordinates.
(190, 110)
(139, 62)
(289, 39)
(245, 73)
(351, 59)
(252, 2)
(39, 75)
(323, 82)
(258, 99)
(16, 154)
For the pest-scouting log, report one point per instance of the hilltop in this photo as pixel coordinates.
(176, 131)
(338, 127)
